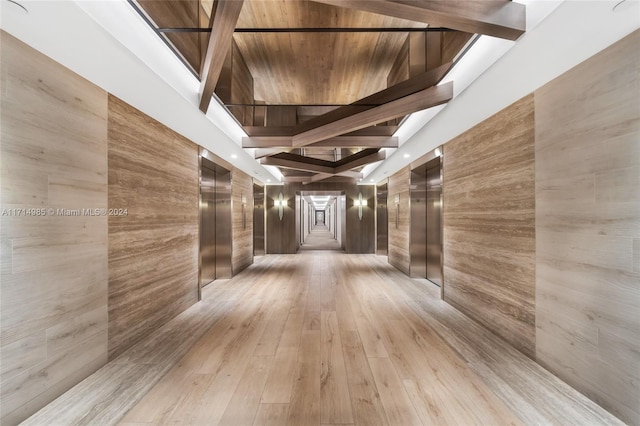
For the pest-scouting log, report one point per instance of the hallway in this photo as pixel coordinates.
(320, 238)
(325, 338)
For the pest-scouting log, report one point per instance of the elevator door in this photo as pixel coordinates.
(434, 224)
(207, 226)
(418, 222)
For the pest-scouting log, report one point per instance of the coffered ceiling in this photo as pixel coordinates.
(321, 86)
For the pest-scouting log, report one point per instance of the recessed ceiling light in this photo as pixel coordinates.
(370, 180)
(234, 156)
(407, 156)
(268, 180)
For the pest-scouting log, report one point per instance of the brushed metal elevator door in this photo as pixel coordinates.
(418, 224)
(434, 225)
(207, 226)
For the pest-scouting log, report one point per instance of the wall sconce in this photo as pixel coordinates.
(280, 203)
(359, 203)
(243, 200)
(396, 200)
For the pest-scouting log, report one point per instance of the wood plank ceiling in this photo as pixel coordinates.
(321, 86)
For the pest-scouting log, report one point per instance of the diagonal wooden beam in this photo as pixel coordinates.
(322, 176)
(297, 179)
(283, 142)
(292, 130)
(307, 164)
(497, 18)
(418, 101)
(286, 142)
(224, 20)
(357, 162)
(296, 165)
(262, 131)
(267, 152)
(414, 84)
(357, 142)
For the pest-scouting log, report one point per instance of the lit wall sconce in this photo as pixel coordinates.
(243, 200)
(280, 203)
(396, 200)
(359, 203)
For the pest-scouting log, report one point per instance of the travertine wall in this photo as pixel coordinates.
(242, 221)
(398, 216)
(489, 224)
(153, 250)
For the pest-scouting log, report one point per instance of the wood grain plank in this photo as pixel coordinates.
(393, 395)
(423, 99)
(244, 404)
(223, 22)
(271, 415)
(335, 402)
(305, 399)
(495, 18)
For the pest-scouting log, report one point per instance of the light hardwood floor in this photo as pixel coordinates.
(320, 238)
(324, 338)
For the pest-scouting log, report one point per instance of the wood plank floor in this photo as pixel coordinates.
(322, 338)
(320, 238)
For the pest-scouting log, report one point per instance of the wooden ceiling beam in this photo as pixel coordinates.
(374, 131)
(267, 152)
(296, 179)
(419, 82)
(223, 23)
(357, 142)
(357, 162)
(286, 142)
(409, 104)
(323, 176)
(291, 130)
(496, 18)
(268, 142)
(269, 131)
(341, 168)
(296, 165)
